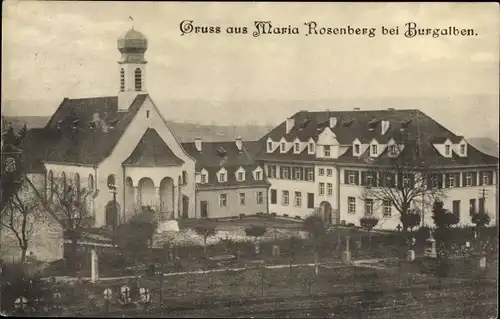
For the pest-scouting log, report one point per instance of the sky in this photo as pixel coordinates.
(52, 50)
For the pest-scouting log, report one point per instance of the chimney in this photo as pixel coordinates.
(239, 143)
(356, 109)
(385, 126)
(197, 143)
(333, 121)
(290, 122)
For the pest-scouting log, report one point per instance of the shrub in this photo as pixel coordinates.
(205, 232)
(285, 215)
(411, 219)
(255, 231)
(443, 217)
(481, 219)
(368, 222)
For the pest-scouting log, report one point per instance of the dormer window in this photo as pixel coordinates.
(462, 149)
(222, 177)
(392, 149)
(283, 146)
(203, 178)
(269, 146)
(326, 150)
(447, 150)
(357, 149)
(297, 147)
(240, 176)
(374, 150)
(310, 147)
(258, 176)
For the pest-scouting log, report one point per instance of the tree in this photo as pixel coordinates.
(315, 227)
(255, 231)
(412, 219)
(368, 223)
(481, 219)
(403, 177)
(205, 232)
(21, 212)
(442, 217)
(69, 207)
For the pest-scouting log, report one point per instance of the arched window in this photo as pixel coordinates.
(138, 79)
(91, 182)
(63, 179)
(111, 181)
(50, 188)
(77, 183)
(122, 80)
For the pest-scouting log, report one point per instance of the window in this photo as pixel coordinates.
(468, 178)
(111, 181)
(298, 199)
(184, 178)
(203, 178)
(283, 146)
(368, 207)
(310, 174)
(326, 150)
(63, 179)
(369, 179)
(240, 176)
(322, 189)
(258, 176)
(297, 147)
(456, 208)
(406, 180)
(392, 149)
(321, 172)
(435, 181)
(122, 80)
(329, 189)
(222, 177)
(242, 199)
(351, 204)
(310, 200)
(147, 114)
(472, 206)
(462, 149)
(374, 150)
(269, 146)
(486, 180)
(260, 198)
(329, 172)
(297, 173)
(447, 150)
(387, 208)
(223, 200)
(451, 180)
(138, 79)
(310, 147)
(356, 149)
(286, 174)
(274, 196)
(285, 198)
(91, 182)
(352, 177)
(271, 171)
(77, 183)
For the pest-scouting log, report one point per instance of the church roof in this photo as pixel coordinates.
(81, 131)
(152, 151)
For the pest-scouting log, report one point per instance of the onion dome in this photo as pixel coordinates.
(132, 42)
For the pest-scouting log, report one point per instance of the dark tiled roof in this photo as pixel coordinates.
(152, 151)
(212, 160)
(419, 133)
(59, 142)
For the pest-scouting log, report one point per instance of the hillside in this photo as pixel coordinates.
(186, 132)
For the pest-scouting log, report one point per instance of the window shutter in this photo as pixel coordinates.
(464, 178)
(357, 177)
(474, 178)
(481, 178)
(363, 179)
(346, 176)
(447, 181)
(375, 179)
(457, 180)
(490, 178)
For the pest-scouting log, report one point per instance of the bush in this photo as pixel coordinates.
(481, 219)
(255, 231)
(19, 280)
(411, 220)
(368, 222)
(443, 217)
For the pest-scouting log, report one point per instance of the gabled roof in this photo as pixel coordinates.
(231, 177)
(411, 127)
(68, 136)
(152, 151)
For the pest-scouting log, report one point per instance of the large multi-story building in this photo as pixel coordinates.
(333, 161)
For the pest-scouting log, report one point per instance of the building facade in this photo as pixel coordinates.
(339, 163)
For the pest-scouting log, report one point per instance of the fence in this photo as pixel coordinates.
(345, 289)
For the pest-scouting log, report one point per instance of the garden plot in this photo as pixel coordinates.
(188, 237)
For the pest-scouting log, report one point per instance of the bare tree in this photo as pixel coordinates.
(22, 210)
(69, 207)
(407, 181)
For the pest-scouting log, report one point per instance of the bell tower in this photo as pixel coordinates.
(132, 67)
